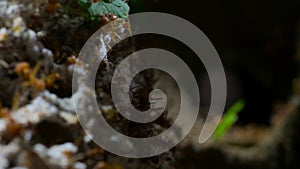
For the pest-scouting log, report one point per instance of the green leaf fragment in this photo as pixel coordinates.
(116, 7)
(229, 118)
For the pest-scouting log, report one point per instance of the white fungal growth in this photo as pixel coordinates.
(79, 165)
(68, 117)
(18, 26)
(3, 34)
(34, 112)
(58, 155)
(6, 151)
(31, 35)
(3, 124)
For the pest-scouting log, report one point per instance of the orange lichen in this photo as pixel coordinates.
(23, 69)
(4, 112)
(94, 152)
(104, 165)
(52, 6)
(12, 129)
(40, 84)
(71, 60)
(111, 116)
(16, 100)
(50, 80)
(68, 155)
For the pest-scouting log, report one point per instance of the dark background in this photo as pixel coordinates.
(257, 43)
